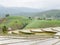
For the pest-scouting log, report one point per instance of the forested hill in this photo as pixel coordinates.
(49, 14)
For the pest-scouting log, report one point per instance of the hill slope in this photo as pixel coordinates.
(15, 22)
(49, 14)
(43, 24)
(17, 11)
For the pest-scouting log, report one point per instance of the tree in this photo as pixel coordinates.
(4, 29)
(7, 15)
(39, 18)
(30, 18)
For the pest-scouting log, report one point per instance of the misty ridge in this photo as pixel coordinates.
(24, 11)
(17, 10)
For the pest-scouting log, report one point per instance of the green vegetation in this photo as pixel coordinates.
(4, 30)
(7, 15)
(21, 22)
(50, 18)
(15, 22)
(43, 24)
(55, 14)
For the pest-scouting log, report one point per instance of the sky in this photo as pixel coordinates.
(38, 4)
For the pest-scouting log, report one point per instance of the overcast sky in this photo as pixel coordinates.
(39, 4)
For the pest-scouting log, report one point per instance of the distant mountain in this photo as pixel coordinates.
(23, 11)
(49, 14)
(18, 11)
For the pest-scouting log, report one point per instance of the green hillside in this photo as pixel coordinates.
(43, 24)
(49, 14)
(21, 22)
(15, 22)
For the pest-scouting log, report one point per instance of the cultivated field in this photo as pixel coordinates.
(27, 41)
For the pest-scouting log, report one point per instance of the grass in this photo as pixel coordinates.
(15, 21)
(18, 22)
(43, 24)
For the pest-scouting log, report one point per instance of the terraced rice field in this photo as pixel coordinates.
(28, 41)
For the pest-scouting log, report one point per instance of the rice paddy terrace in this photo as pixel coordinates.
(18, 22)
(30, 40)
(27, 41)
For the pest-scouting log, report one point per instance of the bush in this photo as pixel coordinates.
(4, 29)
